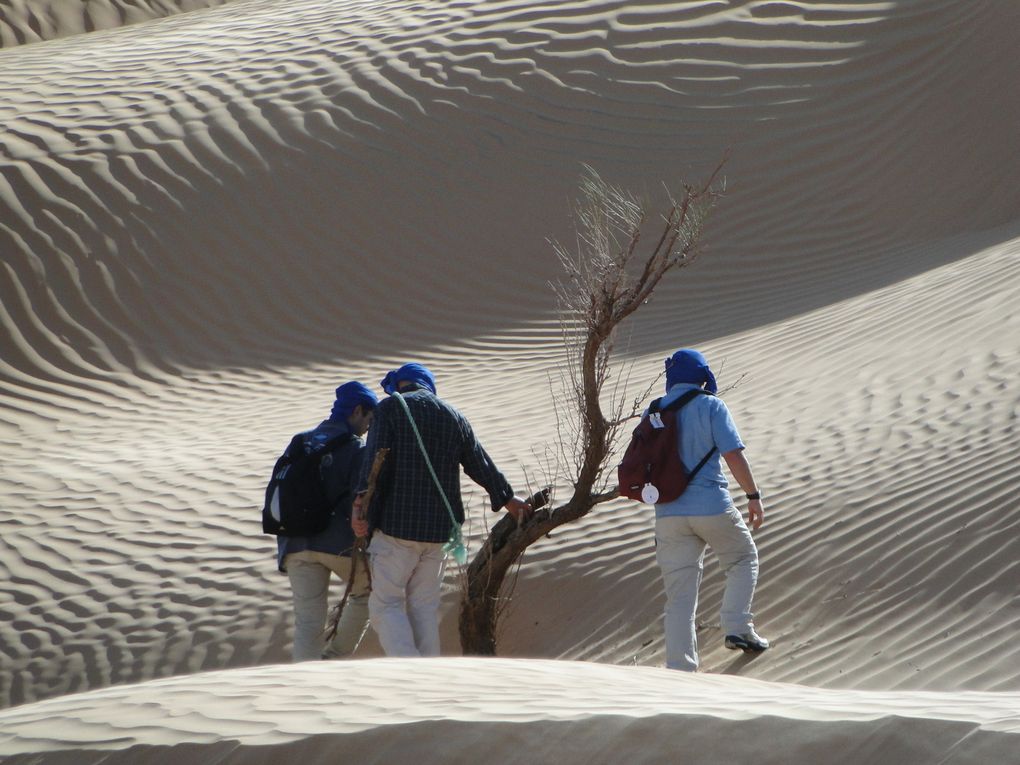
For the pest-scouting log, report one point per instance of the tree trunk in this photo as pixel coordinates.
(506, 543)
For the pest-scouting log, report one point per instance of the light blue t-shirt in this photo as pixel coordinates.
(705, 422)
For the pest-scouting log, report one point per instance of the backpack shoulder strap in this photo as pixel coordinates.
(681, 401)
(706, 458)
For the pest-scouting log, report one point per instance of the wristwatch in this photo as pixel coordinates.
(755, 495)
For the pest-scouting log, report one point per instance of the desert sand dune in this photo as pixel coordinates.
(369, 711)
(255, 112)
(211, 219)
(26, 21)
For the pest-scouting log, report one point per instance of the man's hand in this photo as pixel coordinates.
(519, 509)
(358, 521)
(755, 513)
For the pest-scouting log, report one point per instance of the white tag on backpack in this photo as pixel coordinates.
(649, 494)
(656, 420)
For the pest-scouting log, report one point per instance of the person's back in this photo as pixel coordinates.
(408, 505)
(705, 424)
(339, 468)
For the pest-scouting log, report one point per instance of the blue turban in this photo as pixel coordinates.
(689, 366)
(412, 372)
(348, 396)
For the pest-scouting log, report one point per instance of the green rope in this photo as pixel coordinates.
(455, 545)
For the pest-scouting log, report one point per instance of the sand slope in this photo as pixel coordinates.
(27, 21)
(211, 219)
(886, 429)
(505, 711)
(271, 150)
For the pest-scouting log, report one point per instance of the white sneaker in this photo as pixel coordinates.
(748, 642)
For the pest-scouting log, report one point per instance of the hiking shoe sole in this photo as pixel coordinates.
(745, 644)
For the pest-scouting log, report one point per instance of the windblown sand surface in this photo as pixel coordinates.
(547, 711)
(211, 219)
(26, 21)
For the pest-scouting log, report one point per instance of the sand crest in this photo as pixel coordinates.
(507, 711)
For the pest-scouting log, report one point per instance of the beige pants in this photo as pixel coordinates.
(680, 543)
(309, 574)
(407, 582)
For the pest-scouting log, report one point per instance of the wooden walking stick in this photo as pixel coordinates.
(358, 551)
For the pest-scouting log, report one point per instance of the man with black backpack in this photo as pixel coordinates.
(416, 509)
(308, 507)
(703, 513)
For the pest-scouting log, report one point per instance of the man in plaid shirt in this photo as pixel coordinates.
(410, 519)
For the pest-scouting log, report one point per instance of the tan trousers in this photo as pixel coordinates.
(309, 574)
(680, 543)
(407, 580)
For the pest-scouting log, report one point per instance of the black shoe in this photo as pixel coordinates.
(748, 642)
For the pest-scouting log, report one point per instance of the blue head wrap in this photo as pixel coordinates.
(348, 396)
(412, 372)
(689, 366)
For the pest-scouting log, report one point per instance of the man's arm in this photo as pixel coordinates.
(482, 470)
(741, 470)
(354, 460)
(339, 475)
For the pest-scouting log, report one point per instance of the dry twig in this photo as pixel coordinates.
(358, 554)
(605, 283)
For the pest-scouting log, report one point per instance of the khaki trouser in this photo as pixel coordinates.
(407, 581)
(680, 543)
(309, 574)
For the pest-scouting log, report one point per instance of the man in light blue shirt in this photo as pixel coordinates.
(704, 515)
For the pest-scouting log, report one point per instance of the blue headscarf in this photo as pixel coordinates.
(416, 373)
(689, 366)
(348, 396)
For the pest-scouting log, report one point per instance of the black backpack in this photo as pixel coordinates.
(296, 503)
(651, 470)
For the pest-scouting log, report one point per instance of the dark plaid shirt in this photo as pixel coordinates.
(406, 503)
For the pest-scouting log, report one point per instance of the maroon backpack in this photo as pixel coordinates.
(651, 470)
